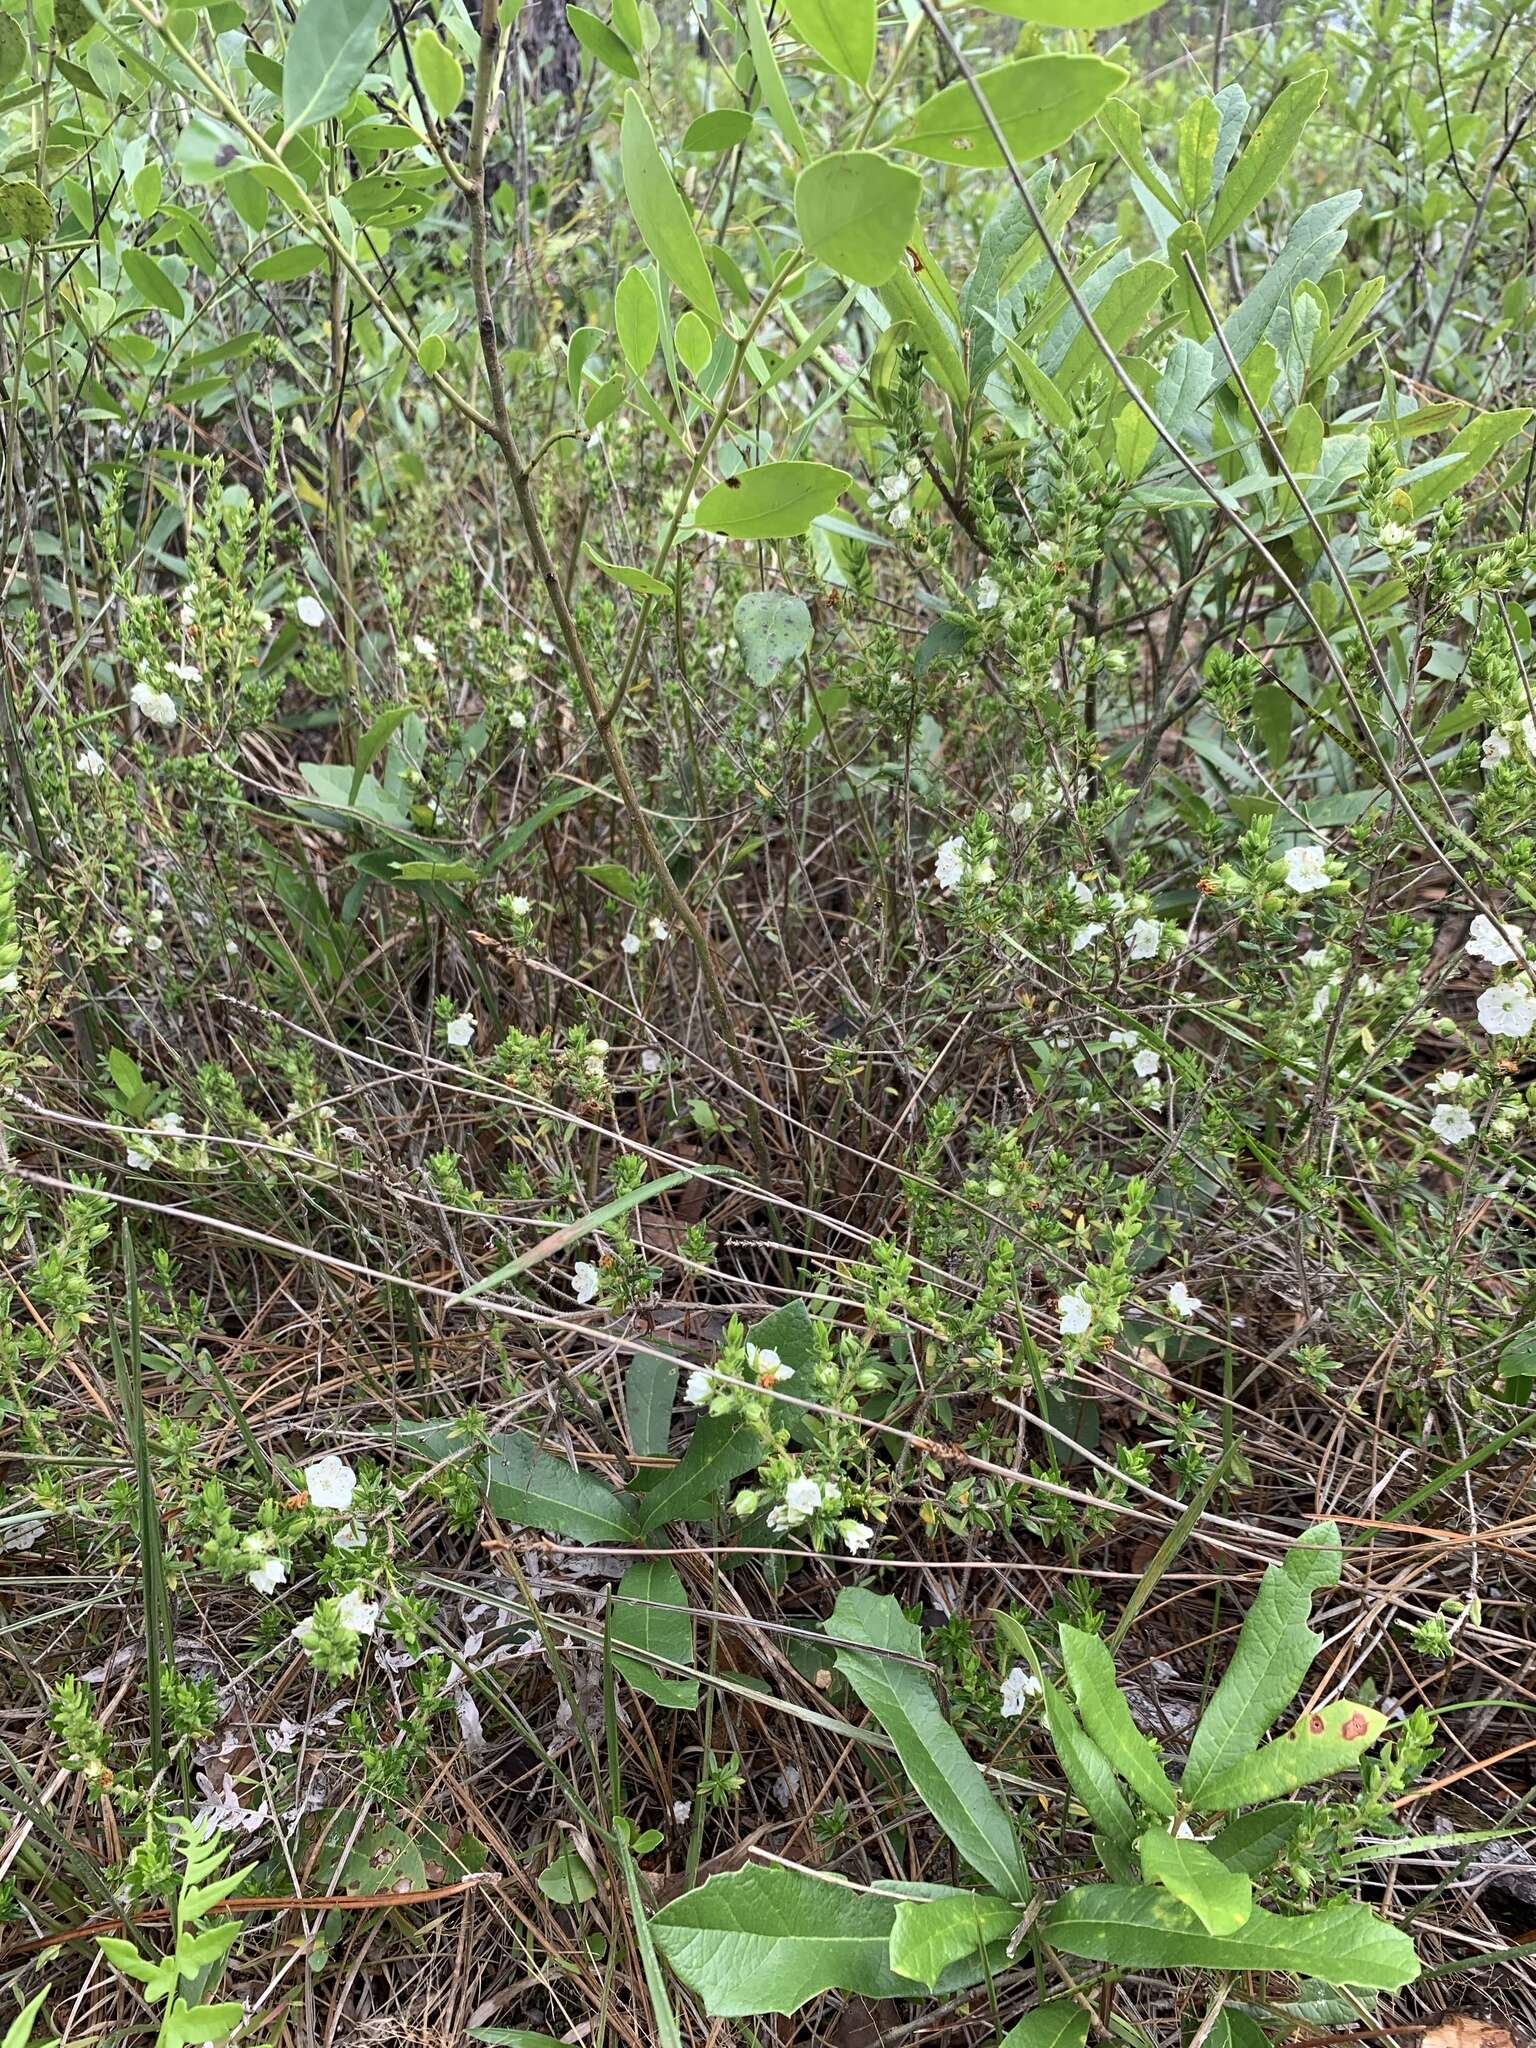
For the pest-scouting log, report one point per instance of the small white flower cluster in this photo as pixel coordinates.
(763, 1365)
(1508, 1008)
(143, 1152)
(954, 868)
(1306, 868)
(155, 704)
(634, 941)
(1499, 746)
(1074, 1309)
(892, 493)
(804, 1499)
(1143, 937)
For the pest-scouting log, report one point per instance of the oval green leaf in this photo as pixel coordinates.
(772, 502)
(332, 44)
(840, 31)
(665, 225)
(721, 130)
(856, 212)
(1037, 103)
(440, 72)
(599, 41)
(637, 318)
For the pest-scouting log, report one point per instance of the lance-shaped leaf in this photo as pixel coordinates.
(1258, 170)
(886, 1674)
(1139, 1927)
(1087, 1770)
(856, 212)
(665, 225)
(1090, 1672)
(1274, 1652)
(1220, 1899)
(1254, 1841)
(332, 44)
(1332, 1739)
(1036, 103)
(722, 1449)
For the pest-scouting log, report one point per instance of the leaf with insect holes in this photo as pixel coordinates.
(1220, 1899)
(774, 628)
(856, 212)
(25, 214)
(665, 224)
(1036, 102)
(1319, 1746)
(650, 1618)
(772, 502)
(14, 50)
(331, 45)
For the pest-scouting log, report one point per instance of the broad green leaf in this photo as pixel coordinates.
(791, 1332)
(774, 628)
(631, 578)
(198, 2023)
(14, 52)
(25, 214)
(1257, 171)
(1089, 14)
(152, 284)
(300, 259)
(566, 1880)
(1059, 2023)
(712, 133)
(637, 318)
(1199, 131)
(1037, 103)
(1090, 1670)
(440, 72)
(842, 32)
(1135, 441)
(1274, 1653)
(599, 41)
(887, 1674)
(1139, 1927)
(650, 1615)
(1087, 1770)
(373, 743)
(1220, 1899)
(452, 872)
(770, 80)
(1254, 1841)
(693, 341)
(524, 1483)
(665, 225)
(722, 1449)
(1122, 124)
(857, 212)
(605, 400)
(770, 1937)
(650, 1388)
(772, 502)
(930, 1934)
(1333, 1739)
(332, 44)
(1466, 456)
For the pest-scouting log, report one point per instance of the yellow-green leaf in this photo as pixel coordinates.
(856, 212)
(1037, 102)
(1220, 1899)
(440, 72)
(665, 225)
(840, 31)
(772, 502)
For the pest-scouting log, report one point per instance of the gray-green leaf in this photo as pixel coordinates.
(332, 44)
(774, 628)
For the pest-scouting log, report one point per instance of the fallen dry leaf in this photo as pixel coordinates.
(1461, 2030)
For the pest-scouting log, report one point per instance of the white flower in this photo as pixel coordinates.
(349, 1537)
(1507, 1010)
(330, 1482)
(1306, 868)
(856, 1536)
(357, 1613)
(1182, 1303)
(169, 1125)
(1085, 935)
(158, 706)
(682, 1811)
(520, 906)
(1486, 941)
(700, 1387)
(1145, 1061)
(309, 611)
(650, 1061)
(122, 935)
(900, 517)
(460, 1030)
(1075, 1313)
(986, 594)
(660, 932)
(1446, 1082)
(631, 944)
(584, 1281)
(1019, 1687)
(802, 1497)
(1528, 732)
(268, 1575)
(89, 762)
(518, 720)
(426, 648)
(1079, 891)
(1393, 534)
(1496, 748)
(1452, 1124)
(949, 864)
(1144, 938)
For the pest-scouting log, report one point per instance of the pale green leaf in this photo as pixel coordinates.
(931, 1934)
(1466, 456)
(770, 80)
(693, 341)
(152, 284)
(1088, 14)
(842, 32)
(1037, 103)
(856, 212)
(599, 41)
(440, 72)
(665, 225)
(772, 502)
(1059, 2023)
(1140, 1927)
(332, 44)
(887, 1674)
(1257, 171)
(1220, 1899)
(623, 572)
(717, 131)
(19, 2033)
(774, 628)
(637, 317)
